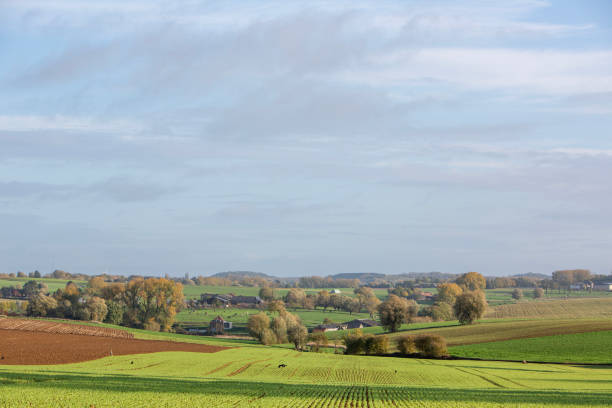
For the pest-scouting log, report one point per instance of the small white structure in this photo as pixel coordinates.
(336, 291)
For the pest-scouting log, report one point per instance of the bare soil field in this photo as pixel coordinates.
(30, 347)
(62, 328)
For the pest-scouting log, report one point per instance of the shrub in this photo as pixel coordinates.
(517, 294)
(354, 342)
(319, 339)
(441, 311)
(376, 344)
(406, 344)
(268, 337)
(152, 325)
(538, 293)
(431, 345)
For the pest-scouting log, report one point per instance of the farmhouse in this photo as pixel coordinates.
(218, 325)
(360, 323)
(246, 300)
(328, 327)
(212, 298)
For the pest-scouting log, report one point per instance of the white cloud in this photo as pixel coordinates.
(525, 71)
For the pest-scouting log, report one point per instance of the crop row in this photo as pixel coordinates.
(62, 328)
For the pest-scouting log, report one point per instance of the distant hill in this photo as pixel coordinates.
(370, 277)
(364, 277)
(242, 274)
(531, 275)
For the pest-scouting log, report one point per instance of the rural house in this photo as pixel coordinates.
(360, 323)
(212, 298)
(218, 325)
(246, 300)
(328, 327)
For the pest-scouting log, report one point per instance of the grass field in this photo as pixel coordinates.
(239, 317)
(508, 329)
(53, 284)
(194, 291)
(250, 377)
(593, 347)
(554, 308)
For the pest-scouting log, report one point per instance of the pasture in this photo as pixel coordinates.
(53, 284)
(590, 347)
(239, 317)
(554, 308)
(507, 329)
(250, 377)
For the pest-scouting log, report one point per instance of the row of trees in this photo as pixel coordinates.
(365, 300)
(150, 303)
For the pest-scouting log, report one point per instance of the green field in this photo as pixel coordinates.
(239, 317)
(249, 376)
(194, 291)
(53, 284)
(555, 308)
(507, 329)
(592, 347)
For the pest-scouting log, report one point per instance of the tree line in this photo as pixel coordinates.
(150, 303)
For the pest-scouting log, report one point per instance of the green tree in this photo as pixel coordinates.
(257, 323)
(517, 294)
(395, 310)
(470, 306)
(448, 292)
(266, 293)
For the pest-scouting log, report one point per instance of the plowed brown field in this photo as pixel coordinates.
(27, 347)
(51, 326)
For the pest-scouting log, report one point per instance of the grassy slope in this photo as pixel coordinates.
(240, 316)
(507, 329)
(593, 347)
(249, 376)
(569, 308)
(53, 284)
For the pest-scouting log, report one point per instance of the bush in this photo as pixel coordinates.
(431, 345)
(268, 337)
(319, 339)
(517, 294)
(152, 325)
(441, 311)
(538, 293)
(406, 344)
(354, 342)
(376, 344)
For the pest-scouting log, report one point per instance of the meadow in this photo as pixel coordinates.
(590, 347)
(249, 376)
(239, 317)
(554, 308)
(53, 284)
(507, 329)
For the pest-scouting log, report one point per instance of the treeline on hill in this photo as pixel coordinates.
(365, 300)
(150, 303)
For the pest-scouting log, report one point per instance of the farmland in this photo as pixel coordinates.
(566, 308)
(507, 329)
(250, 376)
(590, 347)
(53, 284)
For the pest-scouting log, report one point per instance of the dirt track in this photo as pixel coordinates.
(23, 347)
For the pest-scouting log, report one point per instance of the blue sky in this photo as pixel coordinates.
(305, 138)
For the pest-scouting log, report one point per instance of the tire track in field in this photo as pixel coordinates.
(245, 367)
(221, 367)
(481, 377)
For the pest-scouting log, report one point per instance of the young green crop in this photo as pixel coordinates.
(251, 377)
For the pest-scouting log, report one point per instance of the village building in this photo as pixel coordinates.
(218, 325)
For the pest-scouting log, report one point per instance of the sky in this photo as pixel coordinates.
(305, 138)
